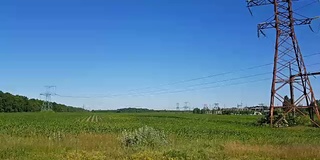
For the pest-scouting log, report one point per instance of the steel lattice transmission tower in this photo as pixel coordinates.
(47, 105)
(289, 73)
(186, 107)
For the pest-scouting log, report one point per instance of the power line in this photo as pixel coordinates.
(168, 90)
(185, 90)
(208, 76)
(306, 5)
(310, 55)
(65, 96)
(213, 75)
(191, 89)
(214, 82)
(189, 80)
(211, 87)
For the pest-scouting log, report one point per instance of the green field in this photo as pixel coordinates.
(188, 136)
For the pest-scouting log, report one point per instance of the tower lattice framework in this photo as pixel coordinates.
(290, 76)
(47, 105)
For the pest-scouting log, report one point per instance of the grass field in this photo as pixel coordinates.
(188, 136)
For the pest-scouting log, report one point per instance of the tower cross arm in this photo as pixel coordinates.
(254, 3)
(272, 24)
(305, 21)
(266, 25)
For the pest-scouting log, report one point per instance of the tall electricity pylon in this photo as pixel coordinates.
(47, 105)
(186, 107)
(290, 76)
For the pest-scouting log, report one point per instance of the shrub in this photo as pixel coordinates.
(303, 120)
(263, 121)
(144, 136)
(196, 111)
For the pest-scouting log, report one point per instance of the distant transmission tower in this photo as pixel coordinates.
(186, 107)
(216, 106)
(178, 106)
(240, 105)
(289, 71)
(47, 105)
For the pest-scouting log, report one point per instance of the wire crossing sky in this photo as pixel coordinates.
(152, 53)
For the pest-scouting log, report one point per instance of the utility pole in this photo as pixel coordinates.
(47, 105)
(289, 68)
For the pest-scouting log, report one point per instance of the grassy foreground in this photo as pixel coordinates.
(98, 136)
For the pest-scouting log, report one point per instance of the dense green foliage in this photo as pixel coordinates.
(196, 111)
(16, 103)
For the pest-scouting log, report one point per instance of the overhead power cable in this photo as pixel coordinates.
(185, 81)
(213, 75)
(162, 90)
(209, 76)
(205, 77)
(208, 83)
(306, 5)
(211, 87)
(168, 90)
(65, 96)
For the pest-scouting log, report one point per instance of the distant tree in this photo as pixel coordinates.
(133, 110)
(196, 111)
(227, 112)
(202, 111)
(34, 105)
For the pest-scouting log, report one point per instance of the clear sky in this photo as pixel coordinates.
(105, 47)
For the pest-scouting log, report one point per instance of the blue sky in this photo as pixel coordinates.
(103, 47)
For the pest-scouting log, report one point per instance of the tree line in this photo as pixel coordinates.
(17, 103)
(135, 110)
